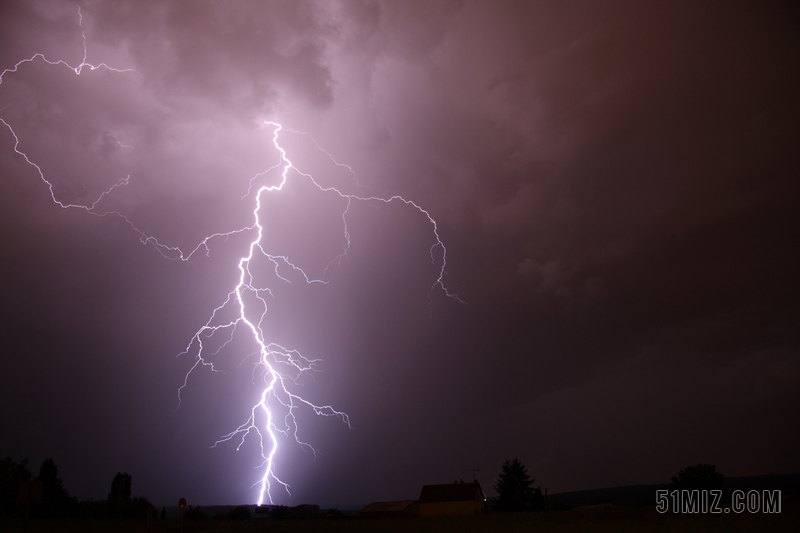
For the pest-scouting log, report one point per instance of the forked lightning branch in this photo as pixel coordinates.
(274, 418)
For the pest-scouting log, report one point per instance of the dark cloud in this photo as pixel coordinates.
(614, 182)
(242, 56)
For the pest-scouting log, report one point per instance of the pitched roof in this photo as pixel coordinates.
(387, 507)
(451, 492)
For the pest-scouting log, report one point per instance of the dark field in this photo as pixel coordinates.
(616, 519)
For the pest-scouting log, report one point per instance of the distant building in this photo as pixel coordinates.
(407, 507)
(452, 499)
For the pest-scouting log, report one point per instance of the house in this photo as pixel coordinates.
(452, 499)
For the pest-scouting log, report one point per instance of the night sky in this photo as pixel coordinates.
(616, 184)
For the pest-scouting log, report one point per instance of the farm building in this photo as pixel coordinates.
(452, 499)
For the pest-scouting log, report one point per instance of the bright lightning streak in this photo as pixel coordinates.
(277, 408)
(77, 70)
(270, 354)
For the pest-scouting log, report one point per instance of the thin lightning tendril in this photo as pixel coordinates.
(280, 367)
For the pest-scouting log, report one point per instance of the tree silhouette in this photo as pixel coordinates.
(55, 499)
(12, 474)
(515, 490)
(120, 487)
(698, 477)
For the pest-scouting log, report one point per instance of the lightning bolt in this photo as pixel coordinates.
(278, 368)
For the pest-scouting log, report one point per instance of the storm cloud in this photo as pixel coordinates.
(615, 183)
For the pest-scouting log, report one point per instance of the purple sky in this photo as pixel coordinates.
(616, 184)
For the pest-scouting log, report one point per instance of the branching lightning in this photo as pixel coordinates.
(278, 367)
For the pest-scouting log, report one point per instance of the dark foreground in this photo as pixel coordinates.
(616, 519)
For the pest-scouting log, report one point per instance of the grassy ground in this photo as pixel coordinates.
(609, 519)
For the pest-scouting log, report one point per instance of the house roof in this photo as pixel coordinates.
(452, 492)
(387, 507)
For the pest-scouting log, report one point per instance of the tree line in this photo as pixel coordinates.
(45, 496)
(515, 490)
